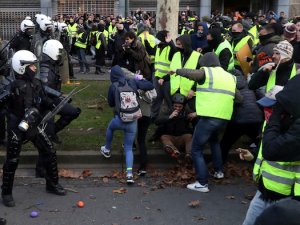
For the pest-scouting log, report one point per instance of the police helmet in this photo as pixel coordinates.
(62, 27)
(21, 59)
(45, 23)
(26, 24)
(53, 49)
(39, 18)
(178, 98)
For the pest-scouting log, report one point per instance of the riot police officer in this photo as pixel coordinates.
(26, 105)
(23, 39)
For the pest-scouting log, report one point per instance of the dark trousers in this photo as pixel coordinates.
(15, 140)
(234, 131)
(2, 126)
(143, 125)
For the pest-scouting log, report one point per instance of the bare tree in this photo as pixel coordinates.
(167, 16)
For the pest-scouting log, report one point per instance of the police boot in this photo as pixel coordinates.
(52, 185)
(8, 180)
(40, 171)
(2, 221)
(55, 188)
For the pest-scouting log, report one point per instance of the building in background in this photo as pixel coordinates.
(13, 12)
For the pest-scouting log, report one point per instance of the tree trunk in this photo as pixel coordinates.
(167, 16)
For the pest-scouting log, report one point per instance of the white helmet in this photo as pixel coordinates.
(45, 23)
(27, 18)
(21, 59)
(53, 49)
(40, 18)
(55, 25)
(62, 27)
(27, 24)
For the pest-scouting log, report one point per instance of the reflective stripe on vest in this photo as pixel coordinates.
(105, 33)
(215, 97)
(277, 175)
(254, 32)
(162, 62)
(183, 84)
(151, 40)
(239, 45)
(221, 47)
(72, 29)
(79, 43)
(99, 42)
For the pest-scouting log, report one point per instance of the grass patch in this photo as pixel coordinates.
(87, 132)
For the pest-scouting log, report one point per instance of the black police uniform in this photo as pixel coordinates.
(27, 92)
(22, 41)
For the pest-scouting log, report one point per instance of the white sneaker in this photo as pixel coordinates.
(198, 187)
(219, 175)
(129, 178)
(105, 152)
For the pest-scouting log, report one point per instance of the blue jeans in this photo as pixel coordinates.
(129, 130)
(82, 60)
(257, 206)
(207, 130)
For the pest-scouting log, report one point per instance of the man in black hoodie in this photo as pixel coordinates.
(281, 141)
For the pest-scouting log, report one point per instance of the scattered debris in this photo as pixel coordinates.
(199, 218)
(230, 197)
(137, 217)
(120, 190)
(80, 204)
(34, 214)
(87, 173)
(105, 179)
(71, 190)
(194, 204)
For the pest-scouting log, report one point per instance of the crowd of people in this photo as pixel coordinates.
(214, 83)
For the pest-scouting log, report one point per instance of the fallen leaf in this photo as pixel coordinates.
(199, 218)
(105, 179)
(230, 197)
(120, 191)
(68, 173)
(86, 173)
(92, 106)
(89, 129)
(194, 204)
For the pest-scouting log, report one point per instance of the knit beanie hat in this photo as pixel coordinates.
(285, 49)
(290, 31)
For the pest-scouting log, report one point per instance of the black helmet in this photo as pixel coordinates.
(178, 98)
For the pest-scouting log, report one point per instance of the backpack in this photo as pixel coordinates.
(93, 39)
(126, 102)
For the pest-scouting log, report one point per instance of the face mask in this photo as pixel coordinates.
(236, 35)
(29, 73)
(212, 43)
(264, 38)
(180, 49)
(200, 34)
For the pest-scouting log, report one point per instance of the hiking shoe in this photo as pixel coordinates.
(142, 173)
(105, 152)
(129, 178)
(219, 175)
(172, 150)
(198, 187)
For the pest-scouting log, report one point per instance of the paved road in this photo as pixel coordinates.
(143, 203)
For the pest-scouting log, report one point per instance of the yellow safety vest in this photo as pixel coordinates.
(183, 84)
(72, 29)
(151, 40)
(221, 47)
(99, 42)
(78, 43)
(239, 45)
(162, 62)
(254, 32)
(105, 33)
(215, 97)
(280, 177)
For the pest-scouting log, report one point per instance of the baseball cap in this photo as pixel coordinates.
(270, 99)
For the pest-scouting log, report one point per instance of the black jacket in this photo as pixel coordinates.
(176, 126)
(281, 139)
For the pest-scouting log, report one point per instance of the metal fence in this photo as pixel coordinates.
(11, 19)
